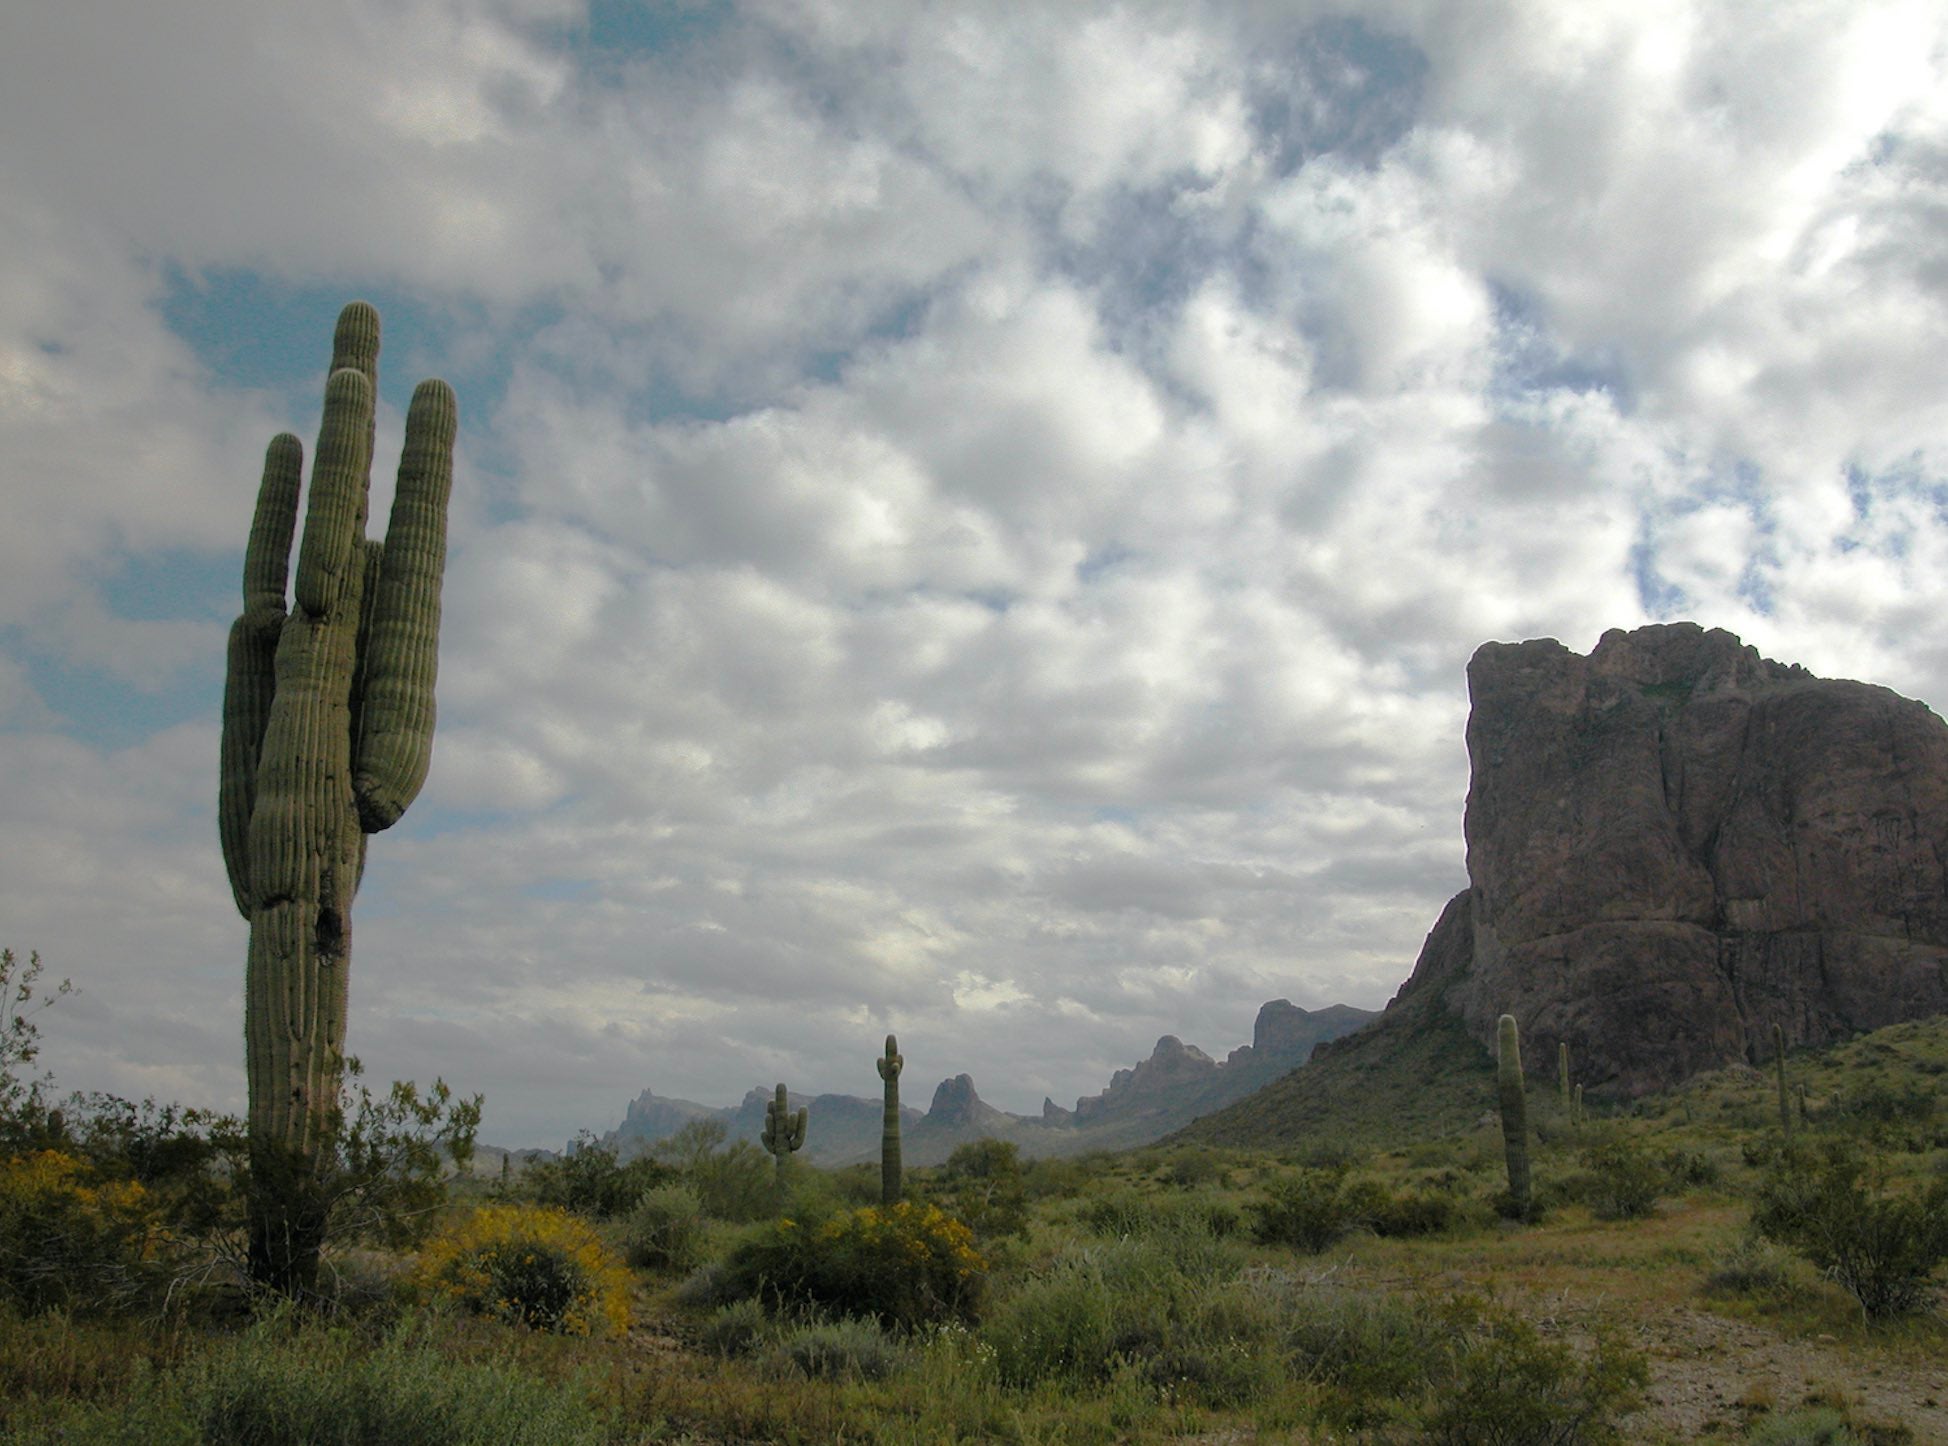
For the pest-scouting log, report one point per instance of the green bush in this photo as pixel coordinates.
(903, 1265)
(1412, 1213)
(1128, 1213)
(735, 1183)
(542, 1268)
(1755, 1268)
(737, 1329)
(1170, 1307)
(982, 1184)
(1308, 1211)
(591, 1180)
(665, 1229)
(1624, 1181)
(278, 1386)
(841, 1350)
(1505, 1385)
(1837, 1208)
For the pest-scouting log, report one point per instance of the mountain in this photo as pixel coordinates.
(1176, 1084)
(1673, 845)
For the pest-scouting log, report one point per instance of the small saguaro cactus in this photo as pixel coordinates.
(784, 1131)
(327, 736)
(1515, 1110)
(1562, 1071)
(890, 1065)
(1779, 1067)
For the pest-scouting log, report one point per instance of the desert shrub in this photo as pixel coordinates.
(591, 1180)
(1191, 1169)
(665, 1229)
(982, 1184)
(1815, 1426)
(1690, 1169)
(1413, 1212)
(541, 1268)
(1504, 1385)
(735, 1183)
(737, 1328)
(270, 1388)
(69, 1239)
(1307, 1210)
(1753, 1267)
(1836, 1208)
(840, 1350)
(1623, 1181)
(1125, 1213)
(903, 1265)
(1054, 1179)
(1060, 1325)
(1168, 1307)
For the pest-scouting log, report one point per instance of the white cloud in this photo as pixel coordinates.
(969, 522)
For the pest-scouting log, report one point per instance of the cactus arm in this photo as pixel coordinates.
(334, 524)
(250, 675)
(395, 733)
(890, 1066)
(1514, 1108)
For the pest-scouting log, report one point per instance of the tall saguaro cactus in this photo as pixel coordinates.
(327, 735)
(1779, 1068)
(890, 1065)
(784, 1131)
(1515, 1110)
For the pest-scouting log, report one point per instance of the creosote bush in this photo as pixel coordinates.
(1837, 1208)
(535, 1267)
(590, 1180)
(904, 1265)
(665, 1229)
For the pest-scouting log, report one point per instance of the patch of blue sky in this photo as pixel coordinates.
(105, 712)
(1342, 88)
(1658, 596)
(611, 33)
(252, 330)
(1528, 359)
(174, 584)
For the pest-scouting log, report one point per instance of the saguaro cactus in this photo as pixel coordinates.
(890, 1066)
(1779, 1067)
(783, 1130)
(1562, 1071)
(1515, 1110)
(327, 735)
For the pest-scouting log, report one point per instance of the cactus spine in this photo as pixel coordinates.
(327, 735)
(1515, 1110)
(890, 1066)
(1779, 1067)
(784, 1131)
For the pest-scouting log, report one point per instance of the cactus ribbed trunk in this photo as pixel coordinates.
(1515, 1110)
(1562, 1071)
(890, 1066)
(327, 735)
(784, 1131)
(1779, 1067)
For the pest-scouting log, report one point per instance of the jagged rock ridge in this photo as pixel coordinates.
(1175, 1085)
(1674, 844)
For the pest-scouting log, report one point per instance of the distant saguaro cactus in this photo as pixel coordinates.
(890, 1065)
(784, 1131)
(1779, 1068)
(1515, 1110)
(1562, 1071)
(327, 736)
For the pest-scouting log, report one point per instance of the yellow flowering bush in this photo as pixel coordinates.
(905, 1264)
(67, 1238)
(539, 1267)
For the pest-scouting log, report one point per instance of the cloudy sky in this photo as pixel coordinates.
(971, 519)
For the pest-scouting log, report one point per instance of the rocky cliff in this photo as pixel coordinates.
(1674, 844)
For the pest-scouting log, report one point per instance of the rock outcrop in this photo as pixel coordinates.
(1674, 844)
